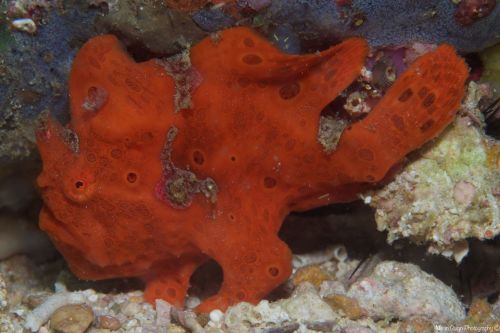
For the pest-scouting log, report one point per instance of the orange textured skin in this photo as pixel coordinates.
(252, 129)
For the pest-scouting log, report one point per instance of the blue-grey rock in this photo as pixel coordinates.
(212, 20)
(34, 70)
(285, 39)
(385, 23)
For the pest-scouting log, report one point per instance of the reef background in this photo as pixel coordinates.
(459, 221)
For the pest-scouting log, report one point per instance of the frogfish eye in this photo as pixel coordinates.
(80, 188)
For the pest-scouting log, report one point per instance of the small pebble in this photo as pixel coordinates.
(3, 294)
(93, 298)
(73, 318)
(34, 299)
(25, 24)
(163, 310)
(131, 324)
(368, 199)
(192, 302)
(203, 319)
(43, 329)
(313, 274)
(175, 329)
(136, 299)
(348, 306)
(416, 325)
(216, 315)
(131, 309)
(108, 322)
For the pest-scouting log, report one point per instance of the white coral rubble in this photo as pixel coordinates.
(449, 193)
